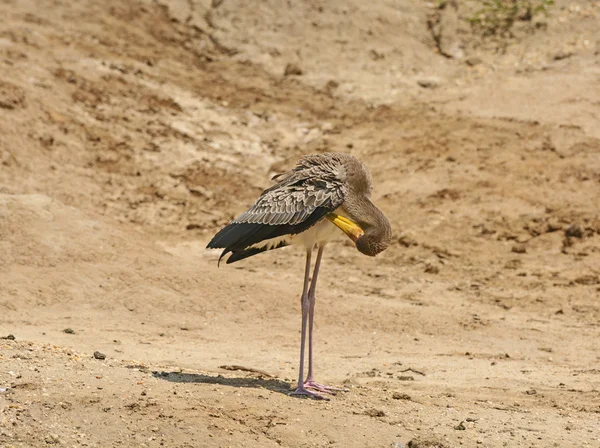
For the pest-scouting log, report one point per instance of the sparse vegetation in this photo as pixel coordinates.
(497, 17)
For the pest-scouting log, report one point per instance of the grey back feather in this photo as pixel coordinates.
(317, 181)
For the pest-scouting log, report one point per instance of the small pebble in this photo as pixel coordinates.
(292, 70)
(99, 355)
(430, 82)
(560, 55)
(52, 439)
(519, 249)
(375, 413)
(460, 427)
(473, 61)
(407, 241)
(432, 269)
(574, 231)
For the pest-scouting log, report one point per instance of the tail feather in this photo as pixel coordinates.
(238, 237)
(237, 255)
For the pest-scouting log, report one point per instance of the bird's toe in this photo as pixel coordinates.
(303, 392)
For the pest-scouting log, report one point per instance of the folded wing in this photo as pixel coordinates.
(300, 199)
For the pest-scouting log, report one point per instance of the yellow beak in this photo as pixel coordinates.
(347, 226)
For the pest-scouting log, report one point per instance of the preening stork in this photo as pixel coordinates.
(306, 207)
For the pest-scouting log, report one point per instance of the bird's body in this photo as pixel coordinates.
(320, 233)
(307, 206)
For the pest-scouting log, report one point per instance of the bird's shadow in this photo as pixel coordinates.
(272, 384)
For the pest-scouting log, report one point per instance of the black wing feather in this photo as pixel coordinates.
(236, 237)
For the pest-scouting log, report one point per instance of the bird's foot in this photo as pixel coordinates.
(312, 384)
(303, 392)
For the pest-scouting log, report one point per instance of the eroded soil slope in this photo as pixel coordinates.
(131, 131)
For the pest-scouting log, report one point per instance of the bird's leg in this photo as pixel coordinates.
(311, 313)
(310, 382)
(301, 390)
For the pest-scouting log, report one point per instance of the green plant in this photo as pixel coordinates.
(497, 17)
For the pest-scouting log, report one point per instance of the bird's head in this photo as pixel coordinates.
(370, 236)
(363, 222)
(373, 242)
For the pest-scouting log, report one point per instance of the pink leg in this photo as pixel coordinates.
(310, 382)
(301, 390)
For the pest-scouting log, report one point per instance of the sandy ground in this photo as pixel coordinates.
(131, 131)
